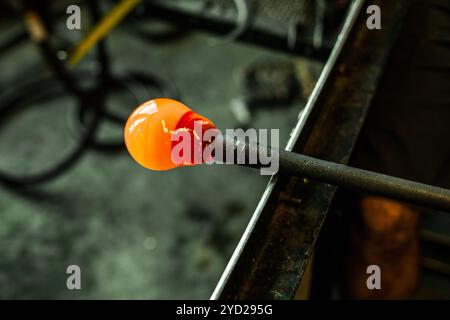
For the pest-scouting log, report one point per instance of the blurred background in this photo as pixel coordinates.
(69, 192)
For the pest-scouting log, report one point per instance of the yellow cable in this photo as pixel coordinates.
(101, 30)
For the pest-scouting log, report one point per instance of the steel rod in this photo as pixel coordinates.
(345, 176)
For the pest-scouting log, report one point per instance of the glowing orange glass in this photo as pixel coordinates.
(149, 130)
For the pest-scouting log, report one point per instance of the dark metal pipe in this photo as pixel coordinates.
(368, 181)
(345, 176)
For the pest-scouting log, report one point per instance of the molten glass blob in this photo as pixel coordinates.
(157, 126)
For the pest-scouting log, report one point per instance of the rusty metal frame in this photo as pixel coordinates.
(271, 257)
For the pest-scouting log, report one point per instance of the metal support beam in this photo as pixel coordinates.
(270, 259)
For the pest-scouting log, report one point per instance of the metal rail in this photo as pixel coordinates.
(270, 259)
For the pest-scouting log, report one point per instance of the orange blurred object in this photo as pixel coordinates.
(150, 129)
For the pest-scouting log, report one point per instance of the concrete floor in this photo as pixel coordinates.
(134, 233)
